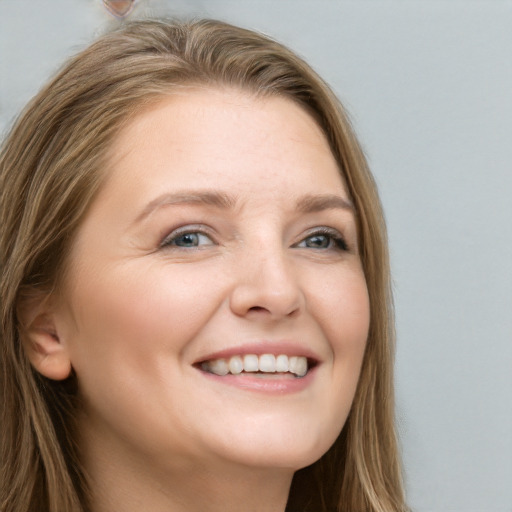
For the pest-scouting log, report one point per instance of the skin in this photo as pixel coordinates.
(140, 307)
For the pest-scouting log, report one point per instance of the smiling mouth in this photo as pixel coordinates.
(261, 365)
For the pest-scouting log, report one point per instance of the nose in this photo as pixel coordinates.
(266, 286)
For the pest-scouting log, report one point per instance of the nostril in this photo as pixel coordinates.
(257, 308)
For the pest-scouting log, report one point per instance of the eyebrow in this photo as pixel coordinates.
(217, 199)
(317, 203)
(306, 204)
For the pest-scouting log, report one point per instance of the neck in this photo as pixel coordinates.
(213, 487)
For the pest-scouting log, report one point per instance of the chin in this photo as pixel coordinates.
(281, 448)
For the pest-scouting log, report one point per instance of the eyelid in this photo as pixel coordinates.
(183, 230)
(336, 236)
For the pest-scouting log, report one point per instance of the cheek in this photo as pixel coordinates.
(129, 345)
(345, 319)
(129, 317)
(343, 311)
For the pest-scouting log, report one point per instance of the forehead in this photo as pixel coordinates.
(223, 138)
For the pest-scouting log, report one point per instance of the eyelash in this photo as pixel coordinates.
(169, 241)
(335, 240)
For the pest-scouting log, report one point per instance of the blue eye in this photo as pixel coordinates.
(324, 240)
(187, 240)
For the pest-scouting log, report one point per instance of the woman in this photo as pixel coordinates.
(196, 311)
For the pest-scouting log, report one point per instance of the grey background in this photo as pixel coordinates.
(429, 87)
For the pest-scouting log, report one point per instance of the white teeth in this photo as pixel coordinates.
(282, 363)
(265, 363)
(235, 365)
(298, 365)
(268, 363)
(251, 363)
(217, 366)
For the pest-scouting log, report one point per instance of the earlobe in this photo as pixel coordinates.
(42, 343)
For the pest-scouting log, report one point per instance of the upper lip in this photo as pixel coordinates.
(262, 347)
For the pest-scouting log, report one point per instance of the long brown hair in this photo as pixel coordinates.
(50, 171)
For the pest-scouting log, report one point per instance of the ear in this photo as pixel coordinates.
(40, 337)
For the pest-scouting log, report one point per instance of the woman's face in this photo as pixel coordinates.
(223, 238)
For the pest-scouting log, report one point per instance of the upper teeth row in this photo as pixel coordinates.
(267, 363)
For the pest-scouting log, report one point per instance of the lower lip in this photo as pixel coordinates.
(273, 384)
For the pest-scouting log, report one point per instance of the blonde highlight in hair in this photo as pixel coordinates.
(52, 165)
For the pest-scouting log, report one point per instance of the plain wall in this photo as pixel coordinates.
(429, 88)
